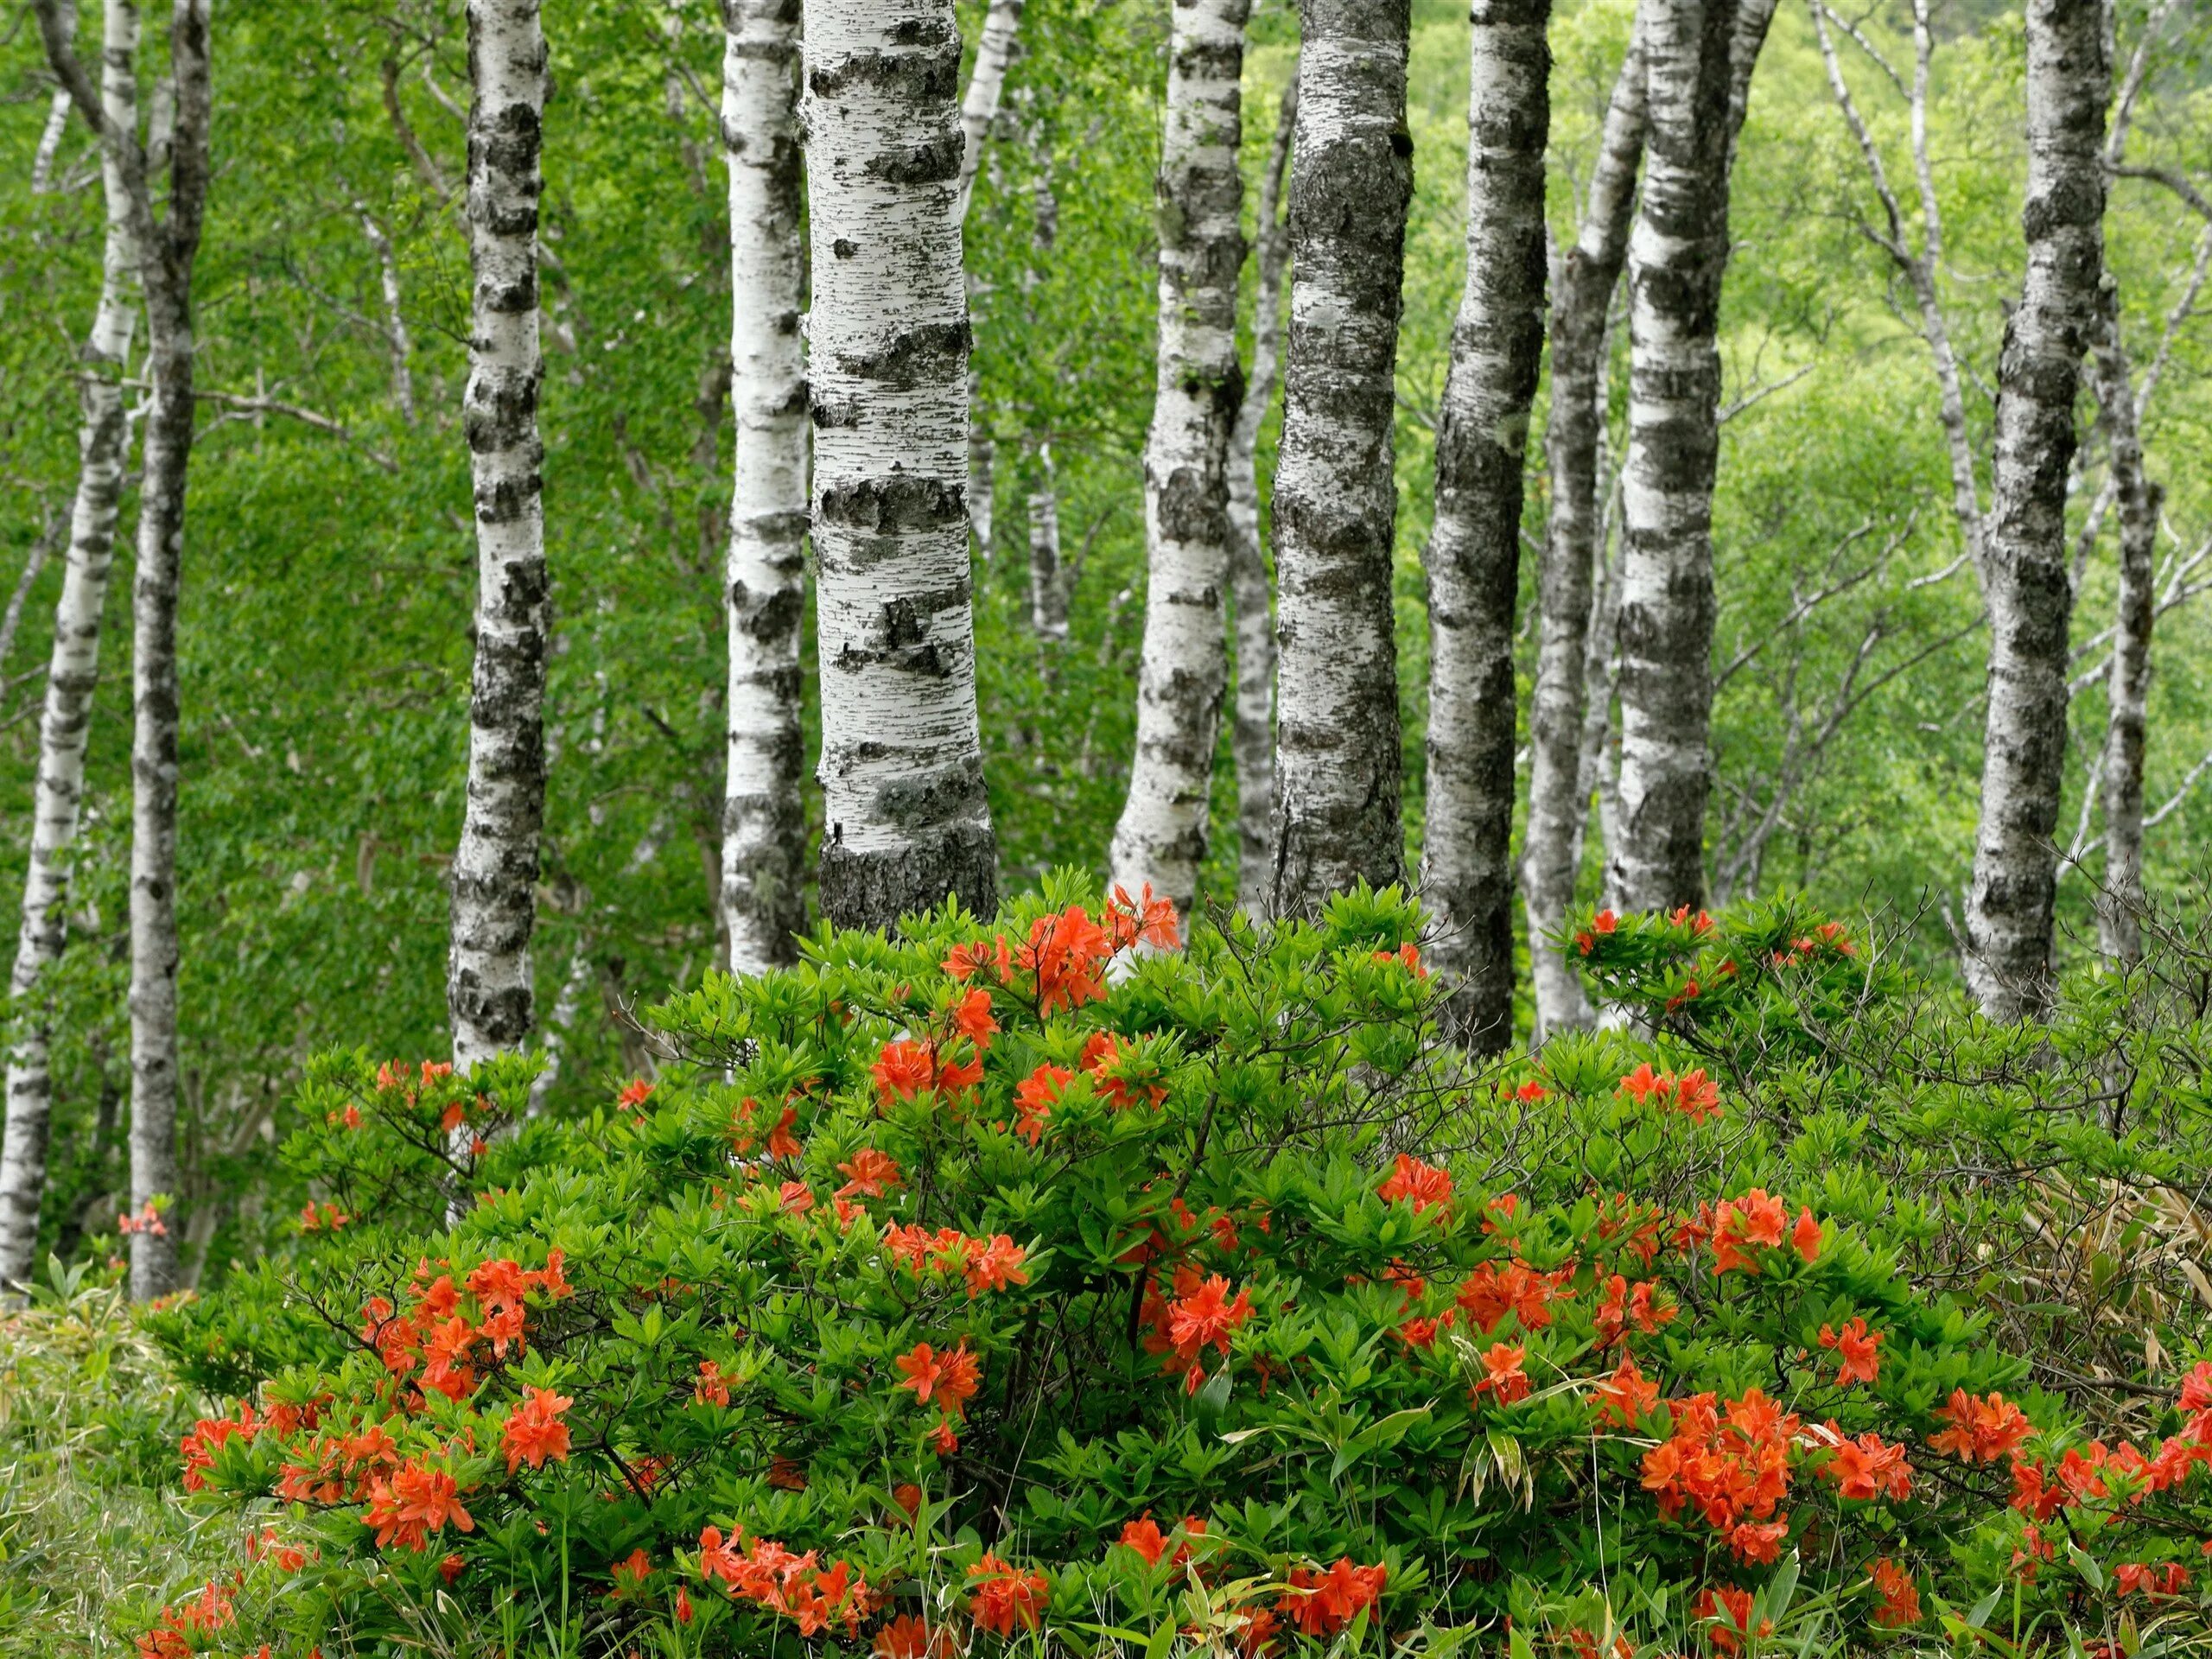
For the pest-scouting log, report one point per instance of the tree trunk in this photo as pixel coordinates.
(1559, 792)
(57, 112)
(763, 821)
(1474, 549)
(2120, 933)
(1048, 584)
(153, 948)
(2009, 922)
(1338, 745)
(1252, 737)
(986, 85)
(103, 442)
(1677, 252)
(397, 342)
(1198, 386)
(902, 767)
(982, 467)
(495, 872)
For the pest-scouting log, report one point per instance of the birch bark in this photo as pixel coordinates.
(2009, 920)
(2120, 933)
(397, 341)
(1048, 583)
(57, 115)
(495, 870)
(154, 948)
(763, 822)
(1559, 789)
(1474, 547)
(979, 108)
(901, 768)
(1198, 385)
(1337, 759)
(65, 721)
(1677, 252)
(1252, 739)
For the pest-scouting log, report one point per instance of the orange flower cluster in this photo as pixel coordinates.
(2168, 1580)
(1626, 1398)
(1034, 1098)
(1321, 1603)
(437, 1334)
(745, 1132)
(1900, 1606)
(1730, 1610)
(534, 1430)
(1494, 1290)
(1692, 1094)
(991, 1263)
(1757, 1221)
(1002, 1596)
(1423, 1185)
(1981, 1430)
(211, 1432)
(414, 1503)
(1866, 1467)
(1113, 1078)
(952, 1377)
(1625, 1306)
(1502, 1376)
(1733, 1473)
(1200, 1313)
(330, 1218)
(1604, 923)
(907, 1067)
(911, 1637)
(179, 1633)
(1855, 1345)
(794, 1586)
(1143, 1536)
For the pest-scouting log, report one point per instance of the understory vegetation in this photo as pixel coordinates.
(1033, 1285)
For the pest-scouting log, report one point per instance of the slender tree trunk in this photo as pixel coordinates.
(902, 767)
(1338, 745)
(397, 342)
(763, 822)
(1677, 252)
(495, 872)
(1559, 790)
(153, 947)
(1048, 585)
(1252, 738)
(979, 108)
(2120, 933)
(2009, 921)
(982, 467)
(57, 115)
(103, 442)
(1474, 549)
(1198, 385)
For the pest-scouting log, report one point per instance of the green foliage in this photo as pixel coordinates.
(1032, 1277)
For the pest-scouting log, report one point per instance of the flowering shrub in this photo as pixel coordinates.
(1044, 1277)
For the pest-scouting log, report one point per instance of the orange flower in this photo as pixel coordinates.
(631, 1571)
(1505, 1378)
(1866, 1467)
(1206, 1315)
(794, 1197)
(1755, 1221)
(1002, 1596)
(1065, 952)
(1626, 1397)
(1143, 919)
(868, 1172)
(1900, 1597)
(972, 1018)
(1321, 1603)
(995, 1263)
(1730, 1610)
(635, 1094)
(1981, 1430)
(534, 1430)
(952, 1377)
(908, 1636)
(1034, 1098)
(411, 1506)
(1143, 1536)
(712, 1388)
(1420, 1183)
(904, 1069)
(1856, 1346)
(1102, 1054)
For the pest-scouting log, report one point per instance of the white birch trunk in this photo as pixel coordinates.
(154, 946)
(986, 86)
(1252, 739)
(57, 115)
(1048, 585)
(103, 443)
(398, 343)
(2009, 920)
(1560, 781)
(1198, 385)
(763, 821)
(1338, 745)
(2120, 933)
(1474, 549)
(982, 467)
(495, 870)
(902, 770)
(1677, 252)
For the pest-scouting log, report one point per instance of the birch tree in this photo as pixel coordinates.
(979, 108)
(495, 871)
(1678, 251)
(1474, 547)
(2128, 684)
(65, 720)
(1199, 387)
(901, 768)
(1252, 739)
(1337, 737)
(1558, 793)
(2009, 902)
(1048, 582)
(763, 821)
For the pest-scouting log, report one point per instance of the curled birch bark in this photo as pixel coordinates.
(1474, 547)
(65, 721)
(1558, 788)
(1252, 739)
(495, 870)
(763, 821)
(901, 770)
(1338, 745)
(2008, 904)
(1198, 385)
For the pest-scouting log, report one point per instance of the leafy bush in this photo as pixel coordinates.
(1035, 1282)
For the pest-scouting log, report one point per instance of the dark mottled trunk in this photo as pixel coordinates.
(1474, 550)
(2120, 931)
(1337, 758)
